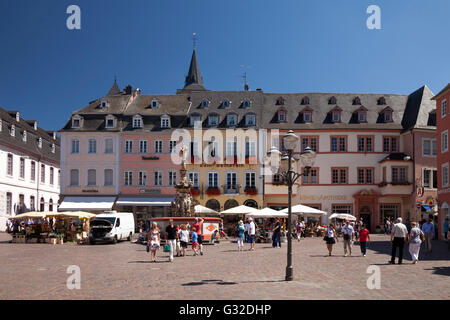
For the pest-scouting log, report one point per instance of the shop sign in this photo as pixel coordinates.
(418, 205)
(323, 197)
(149, 158)
(150, 191)
(420, 191)
(89, 190)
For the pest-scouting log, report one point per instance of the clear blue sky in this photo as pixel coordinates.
(48, 71)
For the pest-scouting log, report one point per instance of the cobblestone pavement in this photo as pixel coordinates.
(124, 271)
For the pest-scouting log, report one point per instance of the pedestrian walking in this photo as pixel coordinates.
(364, 238)
(240, 235)
(195, 242)
(428, 231)
(445, 228)
(178, 240)
(388, 226)
(183, 235)
(251, 234)
(399, 235)
(171, 238)
(222, 233)
(348, 232)
(246, 231)
(197, 227)
(276, 236)
(330, 238)
(415, 240)
(155, 240)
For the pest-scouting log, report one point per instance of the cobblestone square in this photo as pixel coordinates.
(124, 271)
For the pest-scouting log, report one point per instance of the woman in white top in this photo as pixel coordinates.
(414, 242)
(330, 237)
(184, 238)
(155, 240)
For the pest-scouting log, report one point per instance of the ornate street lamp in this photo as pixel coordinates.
(307, 158)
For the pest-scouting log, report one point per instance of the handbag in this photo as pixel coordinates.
(422, 236)
(148, 247)
(167, 248)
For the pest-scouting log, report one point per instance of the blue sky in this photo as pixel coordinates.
(48, 71)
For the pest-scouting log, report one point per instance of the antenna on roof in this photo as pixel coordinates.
(244, 76)
(194, 40)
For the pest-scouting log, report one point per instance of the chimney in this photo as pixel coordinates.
(54, 135)
(128, 89)
(17, 116)
(35, 125)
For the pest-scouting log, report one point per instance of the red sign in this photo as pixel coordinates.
(419, 191)
(419, 205)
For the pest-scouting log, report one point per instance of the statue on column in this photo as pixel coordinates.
(183, 205)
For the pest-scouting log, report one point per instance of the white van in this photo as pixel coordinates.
(111, 226)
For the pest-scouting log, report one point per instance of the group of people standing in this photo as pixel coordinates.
(177, 239)
(246, 232)
(350, 233)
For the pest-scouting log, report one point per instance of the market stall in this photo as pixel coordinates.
(30, 227)
(314, 228)
(233, 215)
(264, 221)
(72, 225)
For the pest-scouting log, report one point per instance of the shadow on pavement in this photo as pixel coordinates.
(440, 250)
(149, 261)
(443, 271)
(203, 282)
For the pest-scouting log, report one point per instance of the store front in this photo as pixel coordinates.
(88, 204)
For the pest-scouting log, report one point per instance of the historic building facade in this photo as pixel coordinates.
(30, 174)
(376, 153)
(443, 155)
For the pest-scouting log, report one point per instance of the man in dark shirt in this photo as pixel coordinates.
(171, 238)
(276, 233)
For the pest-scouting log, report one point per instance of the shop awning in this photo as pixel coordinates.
(87, 204)
(145, 201)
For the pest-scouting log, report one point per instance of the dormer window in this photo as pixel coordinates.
(53, 148)
(40, 142)
(245, 104)
(204, 104)
(387, 115)
(336, 114)
(362, 114)
(381, 101)
(307, 116)
(250, 120)
(137, 121)
(103, 104)
(356, 101)
(13, 130)
(154, 104)
(165, 121)
(76, 122)
(213, 120)
(24, 135)
(195, 118)
(280, 101)
(225, 104)
(110, 122)
(1, 124)
(282, 115)
(305, 101)
(332, 100)
(232, 119)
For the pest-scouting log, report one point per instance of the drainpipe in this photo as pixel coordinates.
(414, 169)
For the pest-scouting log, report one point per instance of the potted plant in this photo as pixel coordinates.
(213, 191)
(195, 191)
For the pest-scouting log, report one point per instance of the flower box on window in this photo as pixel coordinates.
(400, 183)
(213, 191)
(195, 191)
(251, 190)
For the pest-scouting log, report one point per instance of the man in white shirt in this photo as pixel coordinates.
(251, 233)
(348, 233)
(399, 236)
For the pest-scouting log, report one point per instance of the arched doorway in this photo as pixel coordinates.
(213, 204)
(231, 203)
(365, 213)
(251, 203)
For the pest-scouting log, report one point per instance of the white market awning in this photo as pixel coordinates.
(199, 209)
(239, 210)
(303, 210)
(267, 213)
(145, 201)
(87, 204)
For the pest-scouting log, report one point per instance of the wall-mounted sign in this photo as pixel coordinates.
(419, 192)
(323, 197)
(89, 190)
(150, 191)
(150, 158)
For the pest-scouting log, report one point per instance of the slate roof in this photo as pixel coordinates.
(8, 119)
(419, 110)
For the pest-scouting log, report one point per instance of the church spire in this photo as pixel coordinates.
(194, 80)
(114, 89)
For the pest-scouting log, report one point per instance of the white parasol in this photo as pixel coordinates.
(344, 216)
(199, 209)
(239, 210)
(267, 213)
(303, 210)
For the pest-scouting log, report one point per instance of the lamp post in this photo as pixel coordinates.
(307, 158)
